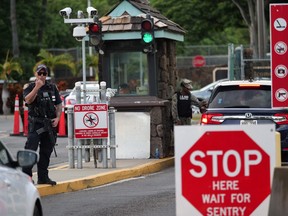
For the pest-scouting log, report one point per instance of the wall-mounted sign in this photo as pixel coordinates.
(279, 54)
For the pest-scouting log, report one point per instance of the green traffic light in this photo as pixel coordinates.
(147, 37)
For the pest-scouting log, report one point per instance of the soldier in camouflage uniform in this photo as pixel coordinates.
(44, 111)
(182, 102)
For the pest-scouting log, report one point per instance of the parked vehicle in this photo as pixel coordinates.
(204, 94)
(90, 93)
(246, 103)
(18, 194)
(64, 94)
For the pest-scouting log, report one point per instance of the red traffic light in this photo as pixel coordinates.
(94, 28)
(147, 25)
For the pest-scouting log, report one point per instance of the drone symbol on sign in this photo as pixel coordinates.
(280, 47)
(281, 94)
(90, 120)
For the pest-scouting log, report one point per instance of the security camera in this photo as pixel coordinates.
(80, 14)
(92, 11)
(65, 12)
(79, 32)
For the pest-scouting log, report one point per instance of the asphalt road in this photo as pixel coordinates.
(15, 143)
(152, 195)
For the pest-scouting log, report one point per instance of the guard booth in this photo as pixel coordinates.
(145, 78)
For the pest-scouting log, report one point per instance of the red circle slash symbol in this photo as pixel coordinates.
(90, 120)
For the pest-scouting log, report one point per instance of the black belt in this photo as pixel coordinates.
(37, 119)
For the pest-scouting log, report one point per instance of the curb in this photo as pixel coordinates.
(105, 178)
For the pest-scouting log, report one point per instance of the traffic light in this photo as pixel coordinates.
(95, 33)
(147, 34)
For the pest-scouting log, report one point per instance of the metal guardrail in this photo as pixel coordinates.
(99, 146)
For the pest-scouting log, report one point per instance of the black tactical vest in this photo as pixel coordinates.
(184, 105)
(44, 104)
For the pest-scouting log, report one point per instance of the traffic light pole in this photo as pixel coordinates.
(152, 73)
(84, 142)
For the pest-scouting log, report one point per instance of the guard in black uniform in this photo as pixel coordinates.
(182, 102)
(44, 111)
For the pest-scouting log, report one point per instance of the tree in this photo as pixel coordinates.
(52, 61)
(39, 25)
(8, 67)
(205, 22)
(221, 21)
(253, 15)
(92, 61)
(15, 42)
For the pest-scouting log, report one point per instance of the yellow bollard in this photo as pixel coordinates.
(278, 149)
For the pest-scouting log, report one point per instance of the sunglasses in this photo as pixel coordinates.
(42, 73)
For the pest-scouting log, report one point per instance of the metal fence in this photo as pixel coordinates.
(186, 61)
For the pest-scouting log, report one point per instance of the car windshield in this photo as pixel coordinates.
(239, 97)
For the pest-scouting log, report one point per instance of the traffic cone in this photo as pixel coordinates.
(25, 126)
(16, 128)
(62, 122)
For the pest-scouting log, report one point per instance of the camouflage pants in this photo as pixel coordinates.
(185, 121)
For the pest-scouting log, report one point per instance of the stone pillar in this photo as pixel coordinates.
(161, 118)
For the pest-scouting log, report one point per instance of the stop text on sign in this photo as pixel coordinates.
(251, 158)
(224, 170)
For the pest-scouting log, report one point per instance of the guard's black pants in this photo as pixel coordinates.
(45, 149)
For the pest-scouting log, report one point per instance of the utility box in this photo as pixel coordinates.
(132, 135)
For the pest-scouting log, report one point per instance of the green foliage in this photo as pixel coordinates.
(52, 61)
(205, 22)
(40, 26)
(10, 67)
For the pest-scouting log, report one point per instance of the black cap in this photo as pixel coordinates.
(41, 67)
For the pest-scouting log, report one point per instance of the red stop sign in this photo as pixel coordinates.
(225, 173)
(198, 61)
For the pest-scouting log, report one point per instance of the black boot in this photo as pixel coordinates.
(46, 180)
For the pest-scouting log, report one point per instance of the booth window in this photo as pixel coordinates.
(129, 73)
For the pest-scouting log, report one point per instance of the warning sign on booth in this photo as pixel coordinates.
(224, 170)
(279, 54)
(91, 121)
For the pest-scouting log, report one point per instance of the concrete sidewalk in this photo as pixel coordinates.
(69, 180)
(78, 179)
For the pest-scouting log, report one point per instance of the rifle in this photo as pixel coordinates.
(47, 128)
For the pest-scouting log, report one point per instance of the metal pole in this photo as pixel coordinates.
(231, 62)
(70, 137)
(84, 70)
(84, 142)
(112, 136)
(242, 64)
(90, 48)
(96, 151)
(79, 142)
(261, 26)
(104, 141)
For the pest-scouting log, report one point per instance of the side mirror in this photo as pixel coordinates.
(27, 158)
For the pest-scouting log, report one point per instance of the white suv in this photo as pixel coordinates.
(18, 194)
(91, 87)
